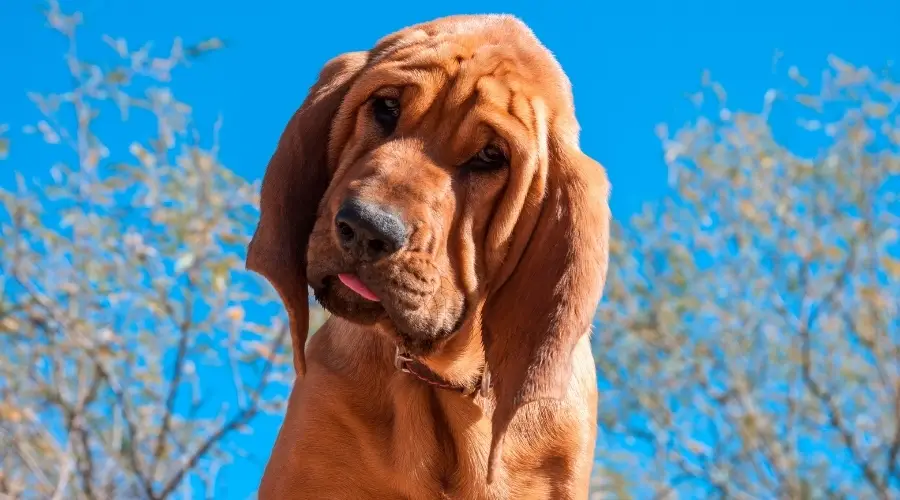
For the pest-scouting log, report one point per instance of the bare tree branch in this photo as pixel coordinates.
(235, 422)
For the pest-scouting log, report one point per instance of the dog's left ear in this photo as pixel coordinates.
(292, 188)
(534, 320)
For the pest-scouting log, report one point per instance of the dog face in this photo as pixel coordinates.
(436, 182)
(423, 159)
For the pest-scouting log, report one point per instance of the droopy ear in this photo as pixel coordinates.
(292, 188)
(534, 320)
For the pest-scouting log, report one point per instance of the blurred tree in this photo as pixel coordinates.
(123, 312)
(749, 342)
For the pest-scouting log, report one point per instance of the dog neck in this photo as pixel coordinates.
(405, 363)
(457, 365)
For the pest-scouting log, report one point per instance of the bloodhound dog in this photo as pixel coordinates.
(432, 193)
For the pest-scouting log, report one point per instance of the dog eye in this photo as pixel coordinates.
(386, 111)
(489, 158)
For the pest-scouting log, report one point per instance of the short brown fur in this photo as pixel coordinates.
(501, 272)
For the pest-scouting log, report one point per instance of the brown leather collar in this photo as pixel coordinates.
(407, 364)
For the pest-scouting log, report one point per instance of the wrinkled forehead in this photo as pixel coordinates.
(494, 61)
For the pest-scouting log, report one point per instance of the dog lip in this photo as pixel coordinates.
(353, 282)
(341, 301)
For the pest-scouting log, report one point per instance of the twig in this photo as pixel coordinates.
(175, 383)
(835, 415)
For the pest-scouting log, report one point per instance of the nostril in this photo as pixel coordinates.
(345, 232)
(376, 247)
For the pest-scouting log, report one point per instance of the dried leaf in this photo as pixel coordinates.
(891, 266)
(184, 262)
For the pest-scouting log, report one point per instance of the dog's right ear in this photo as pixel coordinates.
(292, 188)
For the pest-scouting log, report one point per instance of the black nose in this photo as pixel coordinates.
(368, 231)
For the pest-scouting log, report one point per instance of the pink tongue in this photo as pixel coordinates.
(357, 286)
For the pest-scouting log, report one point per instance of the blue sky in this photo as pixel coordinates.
(631, 63)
